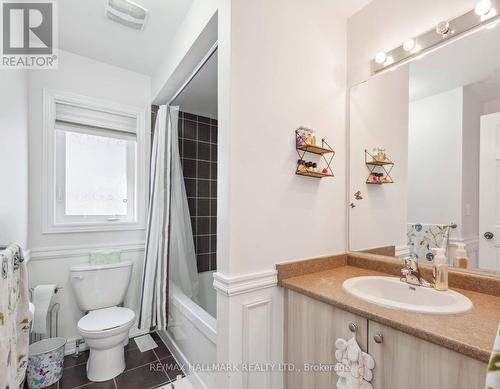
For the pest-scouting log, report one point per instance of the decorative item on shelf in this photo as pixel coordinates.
(306, 143)
(305, 136)
(380, 167)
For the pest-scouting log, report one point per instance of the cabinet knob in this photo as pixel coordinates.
(353, 327)
(489, 235)
(378, 338)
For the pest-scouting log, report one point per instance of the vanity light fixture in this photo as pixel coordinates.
(489, 15)
(389, 61)
(409, 45)
(484, 15)
(443, 29)
(381, 58)
(384, 59)
(483, 7)
(416, 49)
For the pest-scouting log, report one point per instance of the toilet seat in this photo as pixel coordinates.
(106, 321)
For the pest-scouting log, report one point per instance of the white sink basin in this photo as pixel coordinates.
(392, 293)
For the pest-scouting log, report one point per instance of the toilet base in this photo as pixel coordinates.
(104, 365)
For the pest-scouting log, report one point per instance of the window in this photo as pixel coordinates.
(95, 165)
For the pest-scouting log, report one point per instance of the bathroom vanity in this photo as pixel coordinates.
(423, 195)
(411, 350)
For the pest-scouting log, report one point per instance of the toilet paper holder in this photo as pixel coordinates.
(53, 311)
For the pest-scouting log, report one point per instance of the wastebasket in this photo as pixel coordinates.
(45, 362)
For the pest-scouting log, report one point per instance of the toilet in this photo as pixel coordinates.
(99, 290)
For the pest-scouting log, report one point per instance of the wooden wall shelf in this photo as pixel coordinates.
(323, 151)
(378, 168)
(380, 163)
(379, 183)
(315, 149)
(314, 174)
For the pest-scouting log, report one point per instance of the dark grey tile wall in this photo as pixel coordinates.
(198, 149)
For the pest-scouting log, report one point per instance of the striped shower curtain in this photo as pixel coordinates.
(170, 254)
(154, 296)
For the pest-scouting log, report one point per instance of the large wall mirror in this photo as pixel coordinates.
(425, 156)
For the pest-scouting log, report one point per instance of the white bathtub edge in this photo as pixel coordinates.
(193, 376)
(200, 318)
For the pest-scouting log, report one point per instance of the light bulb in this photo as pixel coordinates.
(381, 58)
(491, 13)
(409, 44)
(389, 61)
(443, 28)
(483, 7)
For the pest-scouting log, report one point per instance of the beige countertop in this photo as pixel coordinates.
(471, 333)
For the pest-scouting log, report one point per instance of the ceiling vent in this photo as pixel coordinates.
(127, 13)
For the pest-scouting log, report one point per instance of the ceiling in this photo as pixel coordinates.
(200, 95)
(347, 8)
(84, 30)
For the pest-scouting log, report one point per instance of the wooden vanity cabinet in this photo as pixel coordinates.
(402, 361)
(311, 328)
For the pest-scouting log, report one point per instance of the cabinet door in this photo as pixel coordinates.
(404, 361)
(311, 328)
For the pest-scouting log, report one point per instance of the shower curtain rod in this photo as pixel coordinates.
(205, 59)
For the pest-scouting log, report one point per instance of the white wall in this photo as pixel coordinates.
(450, 118)
(281, 65)
(14, 157)
(435, 159)
(472, 111)
(287, 69)
(53, 254)
(84, 76)
(385, 24)
(195, 35)
(491, 107)
(379, 118)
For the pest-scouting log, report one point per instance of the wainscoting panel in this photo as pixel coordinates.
(257, 332)
(250, 319)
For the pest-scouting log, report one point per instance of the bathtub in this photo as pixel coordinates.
(191, 334)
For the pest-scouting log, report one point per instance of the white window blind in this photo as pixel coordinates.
(72, 114)
(95, 166)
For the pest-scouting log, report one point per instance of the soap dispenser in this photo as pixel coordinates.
(461, 259)
(441, 270)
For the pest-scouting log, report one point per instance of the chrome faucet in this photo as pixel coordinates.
(411, 273)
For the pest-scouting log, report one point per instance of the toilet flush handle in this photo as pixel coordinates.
(78, 277)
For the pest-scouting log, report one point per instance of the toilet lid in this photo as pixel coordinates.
(106, 319)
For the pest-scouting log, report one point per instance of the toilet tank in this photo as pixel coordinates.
(100, 286)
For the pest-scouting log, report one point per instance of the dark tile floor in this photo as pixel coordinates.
(150, 369)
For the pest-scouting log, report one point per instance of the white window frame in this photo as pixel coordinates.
(49, 195)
